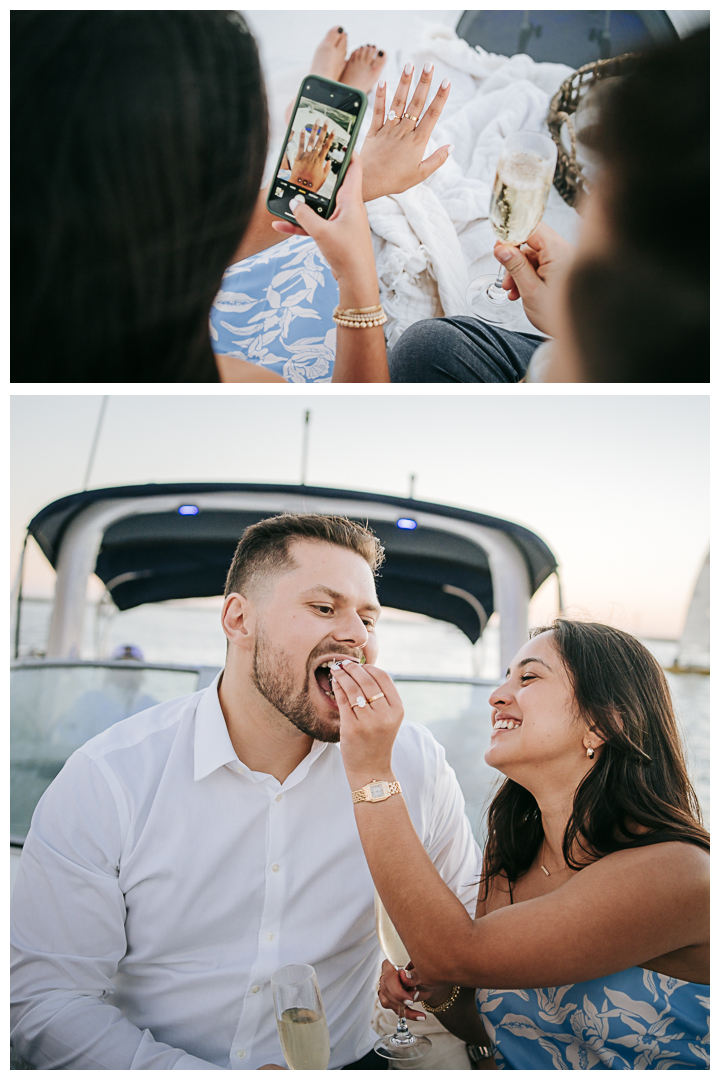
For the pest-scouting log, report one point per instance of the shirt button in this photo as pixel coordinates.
(275, 868)
(269, 937)
(255, 989)
(241, 1053)
(278, 798)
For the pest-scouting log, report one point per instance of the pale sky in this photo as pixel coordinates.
(617, 486)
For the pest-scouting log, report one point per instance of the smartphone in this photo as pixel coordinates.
(318, 146)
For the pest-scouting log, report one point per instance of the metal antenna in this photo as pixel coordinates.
(20, 595)
(412, 486)
(305, 447)
(93, 449)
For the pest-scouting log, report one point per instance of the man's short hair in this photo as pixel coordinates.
(264, 547)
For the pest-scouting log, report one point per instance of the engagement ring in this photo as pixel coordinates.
(360, 703)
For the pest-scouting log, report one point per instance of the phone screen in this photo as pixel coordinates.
(319, 137)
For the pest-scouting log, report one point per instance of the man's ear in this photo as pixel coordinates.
(239, 620)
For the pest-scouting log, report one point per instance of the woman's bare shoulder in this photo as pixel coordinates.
(680, 865)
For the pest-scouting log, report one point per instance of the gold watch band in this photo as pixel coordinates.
(383, 790)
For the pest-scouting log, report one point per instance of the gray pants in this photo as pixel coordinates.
(460, 349)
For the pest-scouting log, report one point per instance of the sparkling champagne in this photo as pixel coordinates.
(518, 199)
(390, 942)
(304, 1038)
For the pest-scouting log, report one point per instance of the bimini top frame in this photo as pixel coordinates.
(168, 541)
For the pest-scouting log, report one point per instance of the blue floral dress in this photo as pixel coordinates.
(634, 1019)
(275, 309)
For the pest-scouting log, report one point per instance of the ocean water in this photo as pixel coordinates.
(412, 648)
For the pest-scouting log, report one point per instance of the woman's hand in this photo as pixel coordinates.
(344, 240)
(367, 732)
(346, 243)
(399, 991)
(310, 167)
(392, 154)
(537, 273)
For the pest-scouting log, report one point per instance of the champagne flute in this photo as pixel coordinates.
(300, 1017)
(523, 178)
(402, 1045)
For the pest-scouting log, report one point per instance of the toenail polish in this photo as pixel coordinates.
(340, 29)
(380, 52)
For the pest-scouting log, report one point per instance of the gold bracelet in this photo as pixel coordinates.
(359, 310)
(360, 318)
(450, 1000)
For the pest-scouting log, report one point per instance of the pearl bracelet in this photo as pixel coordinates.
(360, 318)
(449, 1000)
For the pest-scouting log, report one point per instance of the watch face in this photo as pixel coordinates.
(376, 791)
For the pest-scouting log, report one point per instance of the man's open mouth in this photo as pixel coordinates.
(324, 680)
(323, 672)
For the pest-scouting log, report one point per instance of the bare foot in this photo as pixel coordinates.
(329, 58)
(363, 68)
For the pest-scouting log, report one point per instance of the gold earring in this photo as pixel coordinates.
(590, 752)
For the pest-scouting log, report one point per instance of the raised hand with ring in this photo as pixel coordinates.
(370, 715)
(392, 154)
(311, 165)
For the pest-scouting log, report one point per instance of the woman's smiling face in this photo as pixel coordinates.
(535, 723)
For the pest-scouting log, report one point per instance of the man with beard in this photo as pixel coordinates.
(185, 854)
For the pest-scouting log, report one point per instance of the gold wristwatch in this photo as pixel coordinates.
(376, 791)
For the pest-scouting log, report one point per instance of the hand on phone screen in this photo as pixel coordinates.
(310, 167)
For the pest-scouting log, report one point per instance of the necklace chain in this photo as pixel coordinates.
(543, 867)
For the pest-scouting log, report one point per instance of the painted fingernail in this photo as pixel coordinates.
(416, 995)
(428, 68)
(408, 69)
(444, 84)
(451, 147)
(408, 1002)
(381, 84)
(421, 1016)
(349, 660)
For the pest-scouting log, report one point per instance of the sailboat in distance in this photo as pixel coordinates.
(694, 648)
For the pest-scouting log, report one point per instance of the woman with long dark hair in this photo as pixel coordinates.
(590, 946)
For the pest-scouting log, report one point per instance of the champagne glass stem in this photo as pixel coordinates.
(402, 1032)
(496, 290)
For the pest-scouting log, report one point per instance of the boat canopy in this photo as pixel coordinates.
(156, 542)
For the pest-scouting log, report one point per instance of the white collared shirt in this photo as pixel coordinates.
(163, 882)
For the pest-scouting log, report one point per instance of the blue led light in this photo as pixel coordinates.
(406, 523)
(187, 511)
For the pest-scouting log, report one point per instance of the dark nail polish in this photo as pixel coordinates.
(340, 29)
(381, 53)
